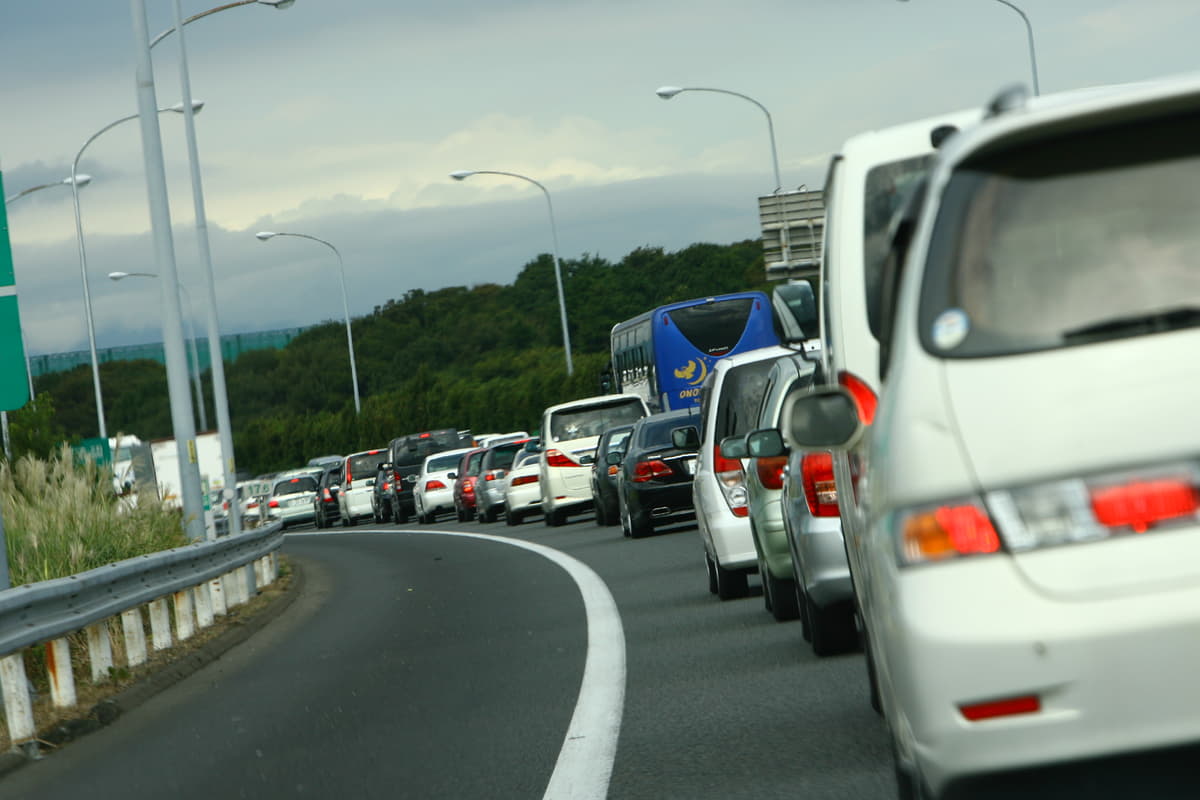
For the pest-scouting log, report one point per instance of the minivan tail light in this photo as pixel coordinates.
(820, 490)
(865, 399)
(731, 479)
(770, 471)
(947, 531)
(557, 458)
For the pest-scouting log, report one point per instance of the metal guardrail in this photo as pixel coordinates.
(201, 581)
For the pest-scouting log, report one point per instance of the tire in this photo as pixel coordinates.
(872, 681)
(512, 517)
(345, 522)
(805, 625)
(832, 628)
(601, 512)
(779, 595)
(351, 521)
(639, 527)
(401, 515)
(486, 516)
(712, 573)
(555, 518)
(731, 584)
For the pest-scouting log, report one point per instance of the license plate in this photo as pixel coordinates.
(299, 501)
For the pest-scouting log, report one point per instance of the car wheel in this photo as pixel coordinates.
(731, 584)
(511, 517)
(909, 785)
(623, 516)
(805, 625)
(555, 517)
(832, 628)
(351, 521)
(712, 573)
(872, 679)
(639, 526)
(401, 515)
(781, 593)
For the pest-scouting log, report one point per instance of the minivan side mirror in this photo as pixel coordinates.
(823, 419)
(686, 438)
(734, 447)
(765, 443)
(452, 476)
(795, 305)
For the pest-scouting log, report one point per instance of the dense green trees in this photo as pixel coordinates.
(487, 357)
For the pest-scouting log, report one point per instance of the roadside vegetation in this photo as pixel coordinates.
(487, 357)
(62, 517)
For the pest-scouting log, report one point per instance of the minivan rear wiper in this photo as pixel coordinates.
(1168, 319)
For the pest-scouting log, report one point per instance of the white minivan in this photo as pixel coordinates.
(358, 484)
(569, 435)
(1028, 562)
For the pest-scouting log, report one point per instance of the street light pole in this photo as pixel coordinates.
(81, 180)
(463, 174)
(264, 236)
(215, 356)
(87, 294)
(117, 276)
(174, 354)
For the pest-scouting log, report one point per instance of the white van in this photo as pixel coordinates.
(1028, 563)
(569, 435)
(358, 484)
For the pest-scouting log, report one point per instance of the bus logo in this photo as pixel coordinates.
(688, 372)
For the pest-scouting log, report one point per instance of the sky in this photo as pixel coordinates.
(342, 119)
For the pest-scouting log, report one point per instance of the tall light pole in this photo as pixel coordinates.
(1029, 34)
(87, 294)
(264, 236)
(667, 92)
(79, 180)
(215, 357)
(118, 276)
(463, 174)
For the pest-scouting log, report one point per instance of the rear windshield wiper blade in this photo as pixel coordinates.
(1153, 322)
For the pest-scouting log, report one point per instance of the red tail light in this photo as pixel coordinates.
(493, 475)
(522, 480)
(387, 486)
(1001, 708)
(1140, 504)
(469, 486)
(252, 504)
(948, 531)
(326, 495)
(770, 471)
(732, 481)
(273, 504)
(721, 464)
(557, 458)
(649, 470)
(864, 398)
(431, 485)
(816, 474)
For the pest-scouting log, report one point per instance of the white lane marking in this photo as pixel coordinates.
(585, 762)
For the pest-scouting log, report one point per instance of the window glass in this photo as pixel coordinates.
(304, 483)
(443, 463)
(366, 464)
(713, 328)
(740, 395)
(578, 423)
(887, 187)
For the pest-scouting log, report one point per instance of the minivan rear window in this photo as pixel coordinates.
(1086, 237)
(366, 464)
(592, 420)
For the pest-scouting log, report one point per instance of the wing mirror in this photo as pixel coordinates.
(687, 438)
(734, 447)
(614, 458)
(765, 443)
(453, 476)
(823, 419)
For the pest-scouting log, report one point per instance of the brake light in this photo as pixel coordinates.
(326, 495)
(494, 475)
(864, 398)
(469, 486)
(273, 504)
(613, 469)
(1001, 708)
(1140, 504)
(770, 471)
(522, 480)
(820, 491)
(431, 485)
(649, 470)
(557, 458)
(386, 486)
(947, 531)
(732, 481)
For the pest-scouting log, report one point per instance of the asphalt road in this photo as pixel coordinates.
(422, 666)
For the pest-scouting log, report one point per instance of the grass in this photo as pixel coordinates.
(62, 517)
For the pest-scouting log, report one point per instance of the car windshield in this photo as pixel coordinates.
(1087, 237)
(303, 483)
(592, 420)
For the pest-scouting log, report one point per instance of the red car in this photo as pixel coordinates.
(464, 484)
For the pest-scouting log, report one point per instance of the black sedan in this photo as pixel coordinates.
(325, 503)
(655, 479)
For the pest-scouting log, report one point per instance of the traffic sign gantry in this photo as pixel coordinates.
(14, 387)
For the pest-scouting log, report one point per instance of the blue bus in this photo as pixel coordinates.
(664, 355)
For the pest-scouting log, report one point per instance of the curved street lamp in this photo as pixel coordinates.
(1029, 34)
(119, 276)
(87, 295)
(81, 180)
(667, 92)
(264, 236)
(213, 325)
(463, 174)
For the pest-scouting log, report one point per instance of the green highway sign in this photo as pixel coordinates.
(14, 383)
(95, 449)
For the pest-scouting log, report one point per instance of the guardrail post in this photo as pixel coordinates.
(260, 571)
(204, 612)
(18, 710)
(62, 676)
(99, 650)
(135, 636)
(274, 556)
(160, 624)
(184, 626)
(216, 593)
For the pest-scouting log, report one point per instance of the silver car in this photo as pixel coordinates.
(292, 497)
